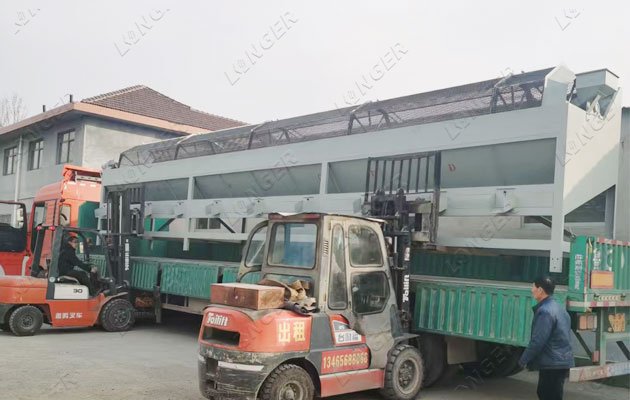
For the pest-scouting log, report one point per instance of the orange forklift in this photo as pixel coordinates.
(26, 302)
(356, 272)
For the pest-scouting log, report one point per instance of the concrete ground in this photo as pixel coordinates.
(159, 362)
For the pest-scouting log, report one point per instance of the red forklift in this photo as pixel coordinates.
(26, 302)
(356, 270)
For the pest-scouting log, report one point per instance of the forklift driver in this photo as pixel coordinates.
(68, 260)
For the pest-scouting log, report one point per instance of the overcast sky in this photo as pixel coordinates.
(257, 61)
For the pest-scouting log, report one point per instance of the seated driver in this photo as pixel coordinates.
(68, 260)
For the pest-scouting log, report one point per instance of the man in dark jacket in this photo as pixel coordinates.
(68, 260)
(549, 349)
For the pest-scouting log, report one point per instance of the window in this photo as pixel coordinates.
(283, 180)
(165, 190)
(10, 160)
(208, 223)
(35, 151)
(364, 246)
(254, 257)
(39, 216)
(12, 234)
(293, 245)
(65, 141)
(337, 294)
(593, 211)
(369, 292)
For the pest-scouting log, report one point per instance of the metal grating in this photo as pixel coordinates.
(510, 93)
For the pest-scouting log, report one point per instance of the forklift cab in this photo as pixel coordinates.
(61, 287)
(344, 259)
(13, 237)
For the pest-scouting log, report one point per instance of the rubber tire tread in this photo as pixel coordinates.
(283, 371)
(389, 389)
(108, 325)
(18, 312)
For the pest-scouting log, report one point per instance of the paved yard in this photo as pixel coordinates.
(159, 362)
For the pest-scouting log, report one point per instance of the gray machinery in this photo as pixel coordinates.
(516, 152)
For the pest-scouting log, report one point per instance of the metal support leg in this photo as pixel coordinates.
(600, 336)
(624, 349)
(580, 339)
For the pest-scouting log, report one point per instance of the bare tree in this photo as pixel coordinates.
(12, 110)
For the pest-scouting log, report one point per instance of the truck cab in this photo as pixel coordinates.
(346, 343)
(69, 202)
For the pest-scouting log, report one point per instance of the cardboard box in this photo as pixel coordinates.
(255, 297)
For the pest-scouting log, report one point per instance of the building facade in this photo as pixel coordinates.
(90, 133)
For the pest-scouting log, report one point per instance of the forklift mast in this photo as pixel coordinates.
(125, 219)
(404, 192)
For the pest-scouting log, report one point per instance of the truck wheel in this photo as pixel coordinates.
(433, 350)
(496, 361)
(403, 373)
(510, 366)
(25, 321)
(288, 382)
(117, 316)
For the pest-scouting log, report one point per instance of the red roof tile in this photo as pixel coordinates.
(145, 101)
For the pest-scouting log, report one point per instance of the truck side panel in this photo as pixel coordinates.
(498, 312)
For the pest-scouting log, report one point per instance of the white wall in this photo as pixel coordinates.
(106, 139)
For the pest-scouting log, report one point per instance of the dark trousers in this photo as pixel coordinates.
(551, 383)
(83, 278)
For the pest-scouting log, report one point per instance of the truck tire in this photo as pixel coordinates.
(26, 320)
(433, 350)
(403, 373)
(288, 382)
(496, 361)
(510, 366)
(117, 315)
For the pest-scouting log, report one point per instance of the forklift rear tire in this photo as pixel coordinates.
(403, 373)
(118, 315)
(25, 320)
(288, 382)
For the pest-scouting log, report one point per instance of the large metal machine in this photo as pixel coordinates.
(516, 148)
(524, 175)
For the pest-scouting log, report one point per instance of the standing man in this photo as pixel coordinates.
(549, 349)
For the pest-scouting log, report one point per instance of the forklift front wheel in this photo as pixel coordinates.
(288, 382)
(117, 315)
(403, 373)
(25, 320)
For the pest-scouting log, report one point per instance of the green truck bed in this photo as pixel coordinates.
(496, 311)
